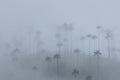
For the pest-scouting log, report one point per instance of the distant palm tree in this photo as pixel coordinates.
(57, 57)
(108, 38)
(15, 53)
(77, 51)
(59, 42)
(99, 31)
(75, 73)
(83, 42)
(38, 40)
(89, 44)
(48, 60)
(71, 34)
(68, 27)
(88, 78)
(59, 45)
(94, 40)
(97, 54)
(35, 68)
(58, 36)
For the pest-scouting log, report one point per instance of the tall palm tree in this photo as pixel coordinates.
(65, 29)
(89, 44)
(71, 37)
(94, 40)
(108, 38)
(108, 45)
(57, 57)
(82, 43)
(59, 43)
(75, 73)
(77, 51)
(69, 28)
(97, 54)
(99, 32)
(15, 53)
(48, 60)
(38, 40)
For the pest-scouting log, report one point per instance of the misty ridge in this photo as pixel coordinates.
(59, 54)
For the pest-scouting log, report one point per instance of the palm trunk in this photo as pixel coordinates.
(71, 43)
(98, 67)
(109, 52)
(66, 43)
(57, 69)
(89, 47)
(99, 42)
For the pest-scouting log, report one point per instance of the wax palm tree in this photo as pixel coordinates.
(38, 40)
(88, 78)
(83, 42)
(89, 44)
(77, 51)
(94, 40)
(58, 36)
(35, 68)
(71, 37)
(97, 54)
(108, 38)
(75, 73)
(99, 31)
(57, 57)
(59, 43)
(48, 60)
(68, 28)
(65, 29)
(108, 45)
(15, 53)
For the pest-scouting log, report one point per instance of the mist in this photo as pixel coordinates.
(59, 40)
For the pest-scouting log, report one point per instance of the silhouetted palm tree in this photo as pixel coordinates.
(77, 51)
(75, 73)
(82, 43)
(71, 34)
(94, 40)
(57, 58)
(38, 40)
(99, 31)
(108, 38)
(35, 68)
(59, 43)
(48, 60)
(97, 54)
(89, 44)
(58, 35)
(15, 53)
(68, 28)
(88, 78)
